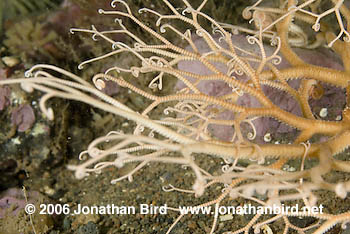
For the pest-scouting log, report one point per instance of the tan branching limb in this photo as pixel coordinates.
(274, 16)
(51, 84)
(251, 170)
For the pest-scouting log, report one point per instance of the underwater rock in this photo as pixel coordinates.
(23, 117)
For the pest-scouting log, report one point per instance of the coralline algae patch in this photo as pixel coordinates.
(266, 125)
